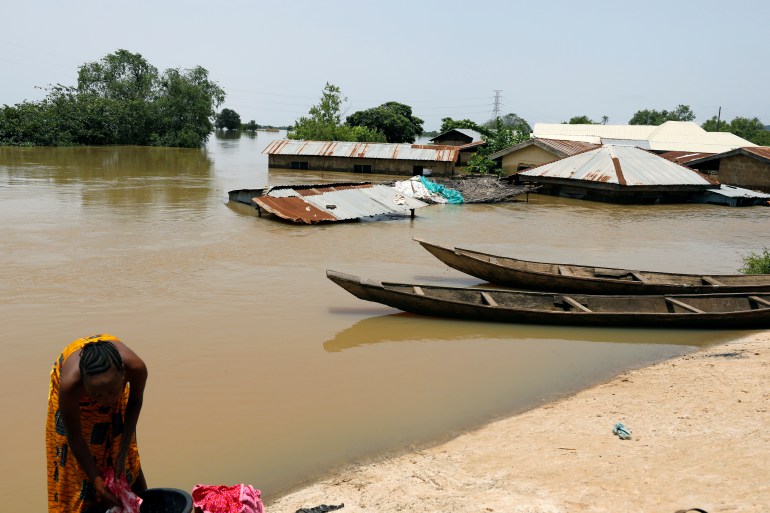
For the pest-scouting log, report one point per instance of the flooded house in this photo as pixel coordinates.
(747, 167)
(618, 174)
(537, 151)
(364, 157)
(467, 140)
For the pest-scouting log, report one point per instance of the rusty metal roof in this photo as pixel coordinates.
(340, 202)
(682, 157)
(623, 165)
(559, 147)
(391, 151)
(761, 153)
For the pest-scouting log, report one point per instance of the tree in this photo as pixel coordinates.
(324, 122)
(509, 120)
(228, 119)
(393, 119)
(448, 124)
(653, 117)
(499, 138)
(251, 126)
(120, 99)
(751, 129)
(580, 120)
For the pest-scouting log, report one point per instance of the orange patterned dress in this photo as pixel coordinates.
(69, 490)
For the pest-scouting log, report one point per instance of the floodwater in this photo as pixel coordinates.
(264, 372)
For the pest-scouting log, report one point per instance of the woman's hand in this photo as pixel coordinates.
(103, 495)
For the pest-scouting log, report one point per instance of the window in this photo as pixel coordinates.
(362, 168)
(298, 165)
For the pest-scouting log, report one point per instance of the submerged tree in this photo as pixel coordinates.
(228, 119)
(120, 99)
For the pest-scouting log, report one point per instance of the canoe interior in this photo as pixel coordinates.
(645, 277)
(712, 303)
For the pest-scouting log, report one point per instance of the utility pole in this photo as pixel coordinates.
(496, 108)
(719, 116)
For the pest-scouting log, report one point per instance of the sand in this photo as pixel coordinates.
(700, 437)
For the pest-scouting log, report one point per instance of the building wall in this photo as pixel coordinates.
(348, 165)
(530, 156)
(745, 172)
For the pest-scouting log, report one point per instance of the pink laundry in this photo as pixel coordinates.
(227, 499)
(129, 501)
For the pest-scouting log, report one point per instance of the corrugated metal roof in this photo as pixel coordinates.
(623, 165)
(391, 151)
(682, 157)
(732, 191)
(669, 136)
(560, 147)
(336, 204)
(468, 132)
(756, 152)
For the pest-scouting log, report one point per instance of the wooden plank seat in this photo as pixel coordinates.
(574, 304)
(680, 304)
(418, 290)
(637, 276)
(711, 281)
(760, 301)
(565, 271)
(488, 299)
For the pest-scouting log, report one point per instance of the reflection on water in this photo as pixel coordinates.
(405, 327)
(263, 371)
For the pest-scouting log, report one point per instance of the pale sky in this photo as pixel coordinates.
(550, 60)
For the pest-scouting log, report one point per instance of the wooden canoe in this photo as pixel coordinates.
(698, 311)
(590, 280)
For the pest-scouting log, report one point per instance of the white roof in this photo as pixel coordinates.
(670, 136)
(622, 165)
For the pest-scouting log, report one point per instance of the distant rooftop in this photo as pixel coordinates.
(435, 152)
(670, 136)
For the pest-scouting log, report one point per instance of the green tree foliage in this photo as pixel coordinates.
(509, 120)
(251, 126)
(324, 122)
(756, 263)
(579, 120)
(653, 117)
(448, 124)
(751, 129)
(228, 119)
(393, 119)
(119, 100)
(499, 137)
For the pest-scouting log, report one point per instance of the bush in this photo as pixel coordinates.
(756, 263)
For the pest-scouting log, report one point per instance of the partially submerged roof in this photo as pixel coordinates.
(467, 132)
(392, 151)
(761, 153)
(559, 147)
(669, 136)
(622, 165)
(683, 157)
(311, 204)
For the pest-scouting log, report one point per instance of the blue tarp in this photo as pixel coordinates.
(451, 195)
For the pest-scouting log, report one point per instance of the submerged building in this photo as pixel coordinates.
(368, 158)
(618, 174)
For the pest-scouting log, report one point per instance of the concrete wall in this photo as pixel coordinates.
(378, 166)
(529, 156)
(744, 171)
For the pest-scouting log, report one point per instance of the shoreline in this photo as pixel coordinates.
(698, 440)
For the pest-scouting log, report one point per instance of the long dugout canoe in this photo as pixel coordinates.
(699, 311)
(553, 277)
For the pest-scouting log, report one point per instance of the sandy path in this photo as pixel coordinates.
(700, 438)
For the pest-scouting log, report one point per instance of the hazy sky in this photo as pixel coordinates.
(550, 60)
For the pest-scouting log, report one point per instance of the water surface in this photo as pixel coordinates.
(261, 370)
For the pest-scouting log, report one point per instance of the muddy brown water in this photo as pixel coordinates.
(261, 370)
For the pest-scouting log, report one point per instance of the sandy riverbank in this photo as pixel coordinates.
(700, 438)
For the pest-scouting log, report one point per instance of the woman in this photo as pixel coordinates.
(94, 400)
